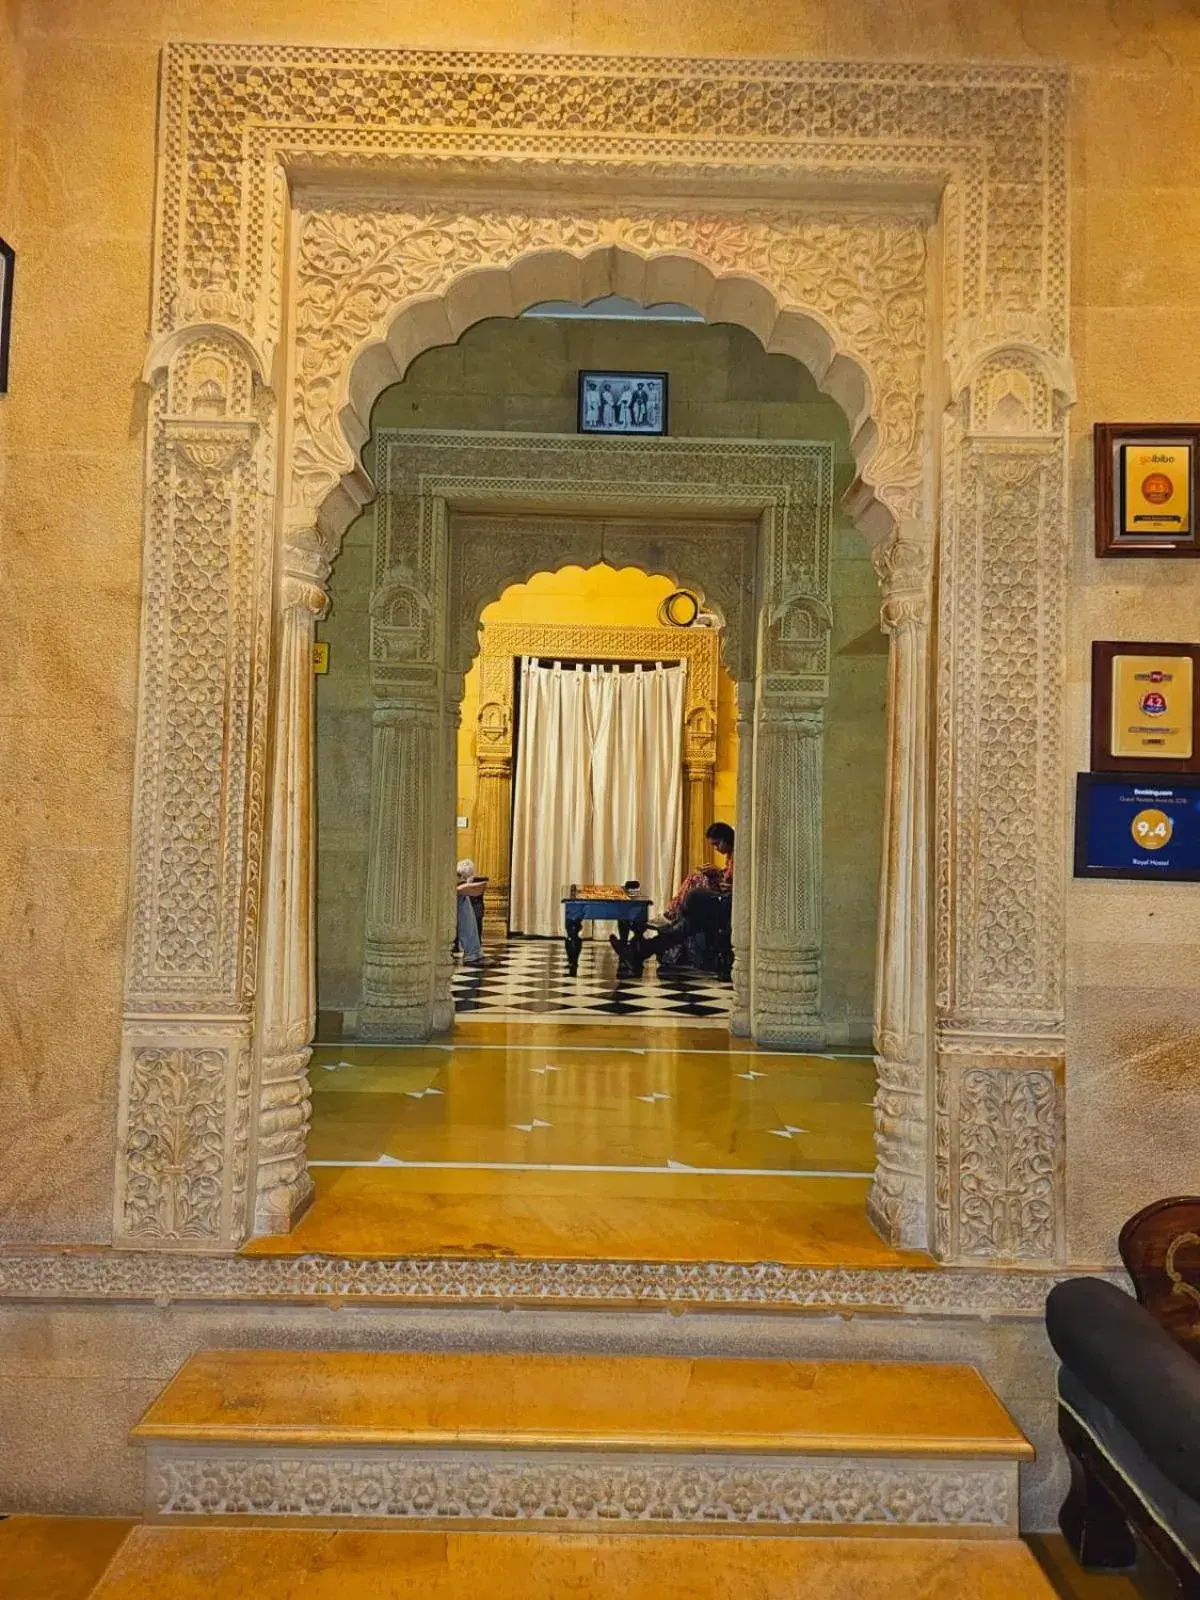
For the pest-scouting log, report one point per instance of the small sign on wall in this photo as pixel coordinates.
(320, 656)
(1132, 827)
(1145, 706)
(1147, 489)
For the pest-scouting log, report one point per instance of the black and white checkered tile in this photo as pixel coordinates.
(529, 978)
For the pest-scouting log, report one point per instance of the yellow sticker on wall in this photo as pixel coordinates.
(320, 656)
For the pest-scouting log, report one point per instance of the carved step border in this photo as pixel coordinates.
(74, 1274)
(618, 1491)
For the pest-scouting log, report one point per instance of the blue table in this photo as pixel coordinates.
(630, 914)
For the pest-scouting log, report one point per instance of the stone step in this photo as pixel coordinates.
(581, 1441)
(284, 1563)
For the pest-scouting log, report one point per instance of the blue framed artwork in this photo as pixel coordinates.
(1137, 826)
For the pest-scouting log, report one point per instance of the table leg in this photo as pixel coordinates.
(574, 944)
(637, 948)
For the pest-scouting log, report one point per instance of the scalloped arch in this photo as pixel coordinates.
(481, 293)
(468, 629)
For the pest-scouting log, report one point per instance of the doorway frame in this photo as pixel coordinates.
(323, 215)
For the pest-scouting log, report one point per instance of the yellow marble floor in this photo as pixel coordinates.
(78, 1558)
(277, 1564)
(559, 1142)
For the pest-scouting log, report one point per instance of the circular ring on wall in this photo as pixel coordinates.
(679, 610)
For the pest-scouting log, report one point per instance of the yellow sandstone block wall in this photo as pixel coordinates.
(79, 212)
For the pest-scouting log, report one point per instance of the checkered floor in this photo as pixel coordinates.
(529, 977)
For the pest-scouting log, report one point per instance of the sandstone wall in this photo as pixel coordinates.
(79, 211)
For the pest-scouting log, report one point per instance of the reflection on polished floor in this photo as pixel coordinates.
(568, 1141)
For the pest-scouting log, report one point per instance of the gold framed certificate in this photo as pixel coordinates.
(1145, 708)
(1147, 486)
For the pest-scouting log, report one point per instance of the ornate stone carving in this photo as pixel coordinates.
(542, 1489)
(899, 1201)
(426, 544)
(843, 287)
(1009, 1150)
(103, 1275)
(865, 277)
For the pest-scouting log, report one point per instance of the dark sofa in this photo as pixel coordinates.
(1129, 1400)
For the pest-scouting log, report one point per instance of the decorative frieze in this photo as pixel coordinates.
(502, 1488)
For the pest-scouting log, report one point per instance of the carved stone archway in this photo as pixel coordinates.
(324, 215)
(746, 522)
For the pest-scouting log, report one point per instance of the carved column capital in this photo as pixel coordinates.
(903, 567)
(306, 566)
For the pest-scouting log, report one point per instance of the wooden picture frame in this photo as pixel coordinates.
(1147, 488)
(625, 392)
(8, 262)
(1145, 707)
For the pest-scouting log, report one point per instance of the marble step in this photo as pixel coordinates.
(581, 1441)
(286, 1563)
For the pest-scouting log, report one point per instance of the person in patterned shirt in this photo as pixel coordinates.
(703, 904)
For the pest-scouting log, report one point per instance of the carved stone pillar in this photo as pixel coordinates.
(287, 986)
(999, 822)
(493, 832)
(698, 812)
(445, 907)
(900, 1195)
(739, 1021)
(185, 1118)
(786, 981)
(404, 866)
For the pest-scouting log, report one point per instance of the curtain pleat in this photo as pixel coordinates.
(599, 790)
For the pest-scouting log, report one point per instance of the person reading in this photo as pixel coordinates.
(702, 908)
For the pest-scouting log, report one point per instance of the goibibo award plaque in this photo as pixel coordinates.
(1147, 484)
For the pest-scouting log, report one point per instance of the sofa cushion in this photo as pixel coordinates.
(1132, 1366)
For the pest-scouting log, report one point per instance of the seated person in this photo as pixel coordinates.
(702, 908)
(469, 941)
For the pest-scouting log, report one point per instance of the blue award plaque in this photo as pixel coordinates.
(1137, 826)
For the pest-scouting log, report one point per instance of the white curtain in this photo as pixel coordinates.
(599, 791)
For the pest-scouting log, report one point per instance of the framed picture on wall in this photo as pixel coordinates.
(623, 402)
(1147, 489)
(7, 263)
(1145, 707)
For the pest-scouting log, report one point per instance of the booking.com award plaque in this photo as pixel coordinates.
(1145, 708)
(1129, 827)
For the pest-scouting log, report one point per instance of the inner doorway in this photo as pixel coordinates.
(625, 1114)
(598, 744)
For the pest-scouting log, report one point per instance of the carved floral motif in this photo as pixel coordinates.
(499, 1489)
(175, 1148)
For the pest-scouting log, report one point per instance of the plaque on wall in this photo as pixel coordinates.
(1132, 827)
(1145, 707)
(623, 402)
(1147, 488)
